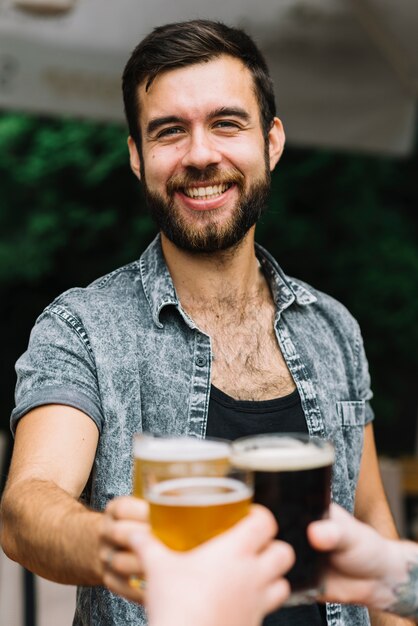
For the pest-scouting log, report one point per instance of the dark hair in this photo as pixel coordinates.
(187, 43)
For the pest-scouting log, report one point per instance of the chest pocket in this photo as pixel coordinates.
(352, 418)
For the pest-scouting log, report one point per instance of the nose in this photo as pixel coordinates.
(201, 151)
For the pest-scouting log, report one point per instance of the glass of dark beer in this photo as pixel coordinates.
(292, 478)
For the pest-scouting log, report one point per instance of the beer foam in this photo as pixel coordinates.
(177, 449)
(199, 491)
(281, 454)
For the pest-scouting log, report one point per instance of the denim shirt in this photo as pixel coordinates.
(124, 352)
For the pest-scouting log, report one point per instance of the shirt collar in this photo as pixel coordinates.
(159, 289)
(156, 280)
(285, 290)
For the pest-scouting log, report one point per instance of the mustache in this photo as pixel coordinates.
(211, 175)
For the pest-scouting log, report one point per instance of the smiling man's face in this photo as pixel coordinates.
(205, 162)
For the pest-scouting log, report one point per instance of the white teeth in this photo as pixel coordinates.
(206, 192)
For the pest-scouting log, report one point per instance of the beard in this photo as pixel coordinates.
(205, 234)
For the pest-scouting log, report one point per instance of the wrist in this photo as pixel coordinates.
(388, 570)
(98, 569)
(403, 579)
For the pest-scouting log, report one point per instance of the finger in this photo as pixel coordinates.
(324, 535)
(128, 508)
(119, 533)
(123, 563)
(275, 595)
(341, 589)
(106, 554)
(120, 585)
(149, 549)
(275, 561)
(337, 533)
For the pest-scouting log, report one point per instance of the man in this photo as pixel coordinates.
(204, 335)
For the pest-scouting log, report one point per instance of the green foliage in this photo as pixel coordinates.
(347, 224)
(71, 210)
(66, 191)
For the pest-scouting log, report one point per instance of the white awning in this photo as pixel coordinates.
(345, 71)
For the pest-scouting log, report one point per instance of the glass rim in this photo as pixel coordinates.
(281, 453)
(173, 448)
(239, 489)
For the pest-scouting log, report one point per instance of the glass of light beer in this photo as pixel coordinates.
(192, 490)
(292, 478)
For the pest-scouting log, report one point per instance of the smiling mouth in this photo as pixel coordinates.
(206, 193)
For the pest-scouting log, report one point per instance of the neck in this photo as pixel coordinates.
(208, 279)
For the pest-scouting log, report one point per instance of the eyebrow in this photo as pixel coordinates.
(230, 112)
(157, 122)
(161, 121)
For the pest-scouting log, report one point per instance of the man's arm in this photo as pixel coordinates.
(371, 507)
(44, 527)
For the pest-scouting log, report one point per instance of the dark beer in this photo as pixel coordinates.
(292, 479)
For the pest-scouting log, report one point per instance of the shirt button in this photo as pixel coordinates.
(201, 361)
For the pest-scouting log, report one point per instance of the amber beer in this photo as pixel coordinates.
(185, 512)
(162, 458)
(292, 479)
(192, 490)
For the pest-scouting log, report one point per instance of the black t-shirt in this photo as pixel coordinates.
(229, 419)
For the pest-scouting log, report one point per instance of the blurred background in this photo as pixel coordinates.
(343, 210)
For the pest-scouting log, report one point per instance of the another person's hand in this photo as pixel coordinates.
(230, 580)
(364, 567)
(122, 567)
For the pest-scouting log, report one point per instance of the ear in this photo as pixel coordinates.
(276, 139)
(134, 158)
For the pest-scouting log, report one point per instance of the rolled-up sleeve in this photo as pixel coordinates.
(57, 368)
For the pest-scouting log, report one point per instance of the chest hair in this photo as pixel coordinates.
(247, 360)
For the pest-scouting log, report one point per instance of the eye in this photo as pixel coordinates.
(227, 125)
(169, 132)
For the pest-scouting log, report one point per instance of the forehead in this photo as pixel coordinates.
(194, 90)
